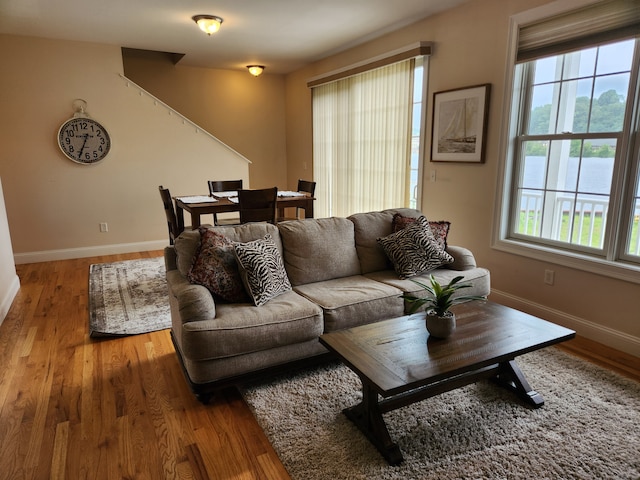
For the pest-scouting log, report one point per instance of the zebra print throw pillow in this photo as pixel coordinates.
(439, 229)
(414, 250)
(262, 269)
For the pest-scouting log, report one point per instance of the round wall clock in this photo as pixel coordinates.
(84, 140)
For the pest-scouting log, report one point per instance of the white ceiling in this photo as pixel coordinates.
(281, 34)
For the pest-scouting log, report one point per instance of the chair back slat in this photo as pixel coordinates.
(224, 185)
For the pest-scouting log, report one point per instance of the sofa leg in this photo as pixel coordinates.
(204, 397)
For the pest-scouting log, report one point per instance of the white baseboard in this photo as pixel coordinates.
(593, 331)
(7, 300)
(82, 252)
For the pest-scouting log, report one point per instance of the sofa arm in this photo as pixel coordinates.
(170, 258)
(194, 302)
(463, 258)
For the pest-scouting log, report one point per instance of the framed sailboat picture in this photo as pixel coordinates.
(459, 127)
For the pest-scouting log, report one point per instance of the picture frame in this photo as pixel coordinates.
(459, 124)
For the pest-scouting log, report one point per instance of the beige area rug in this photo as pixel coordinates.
(128, 298)
(589, 427)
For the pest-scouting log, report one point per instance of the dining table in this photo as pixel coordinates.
(223, 202)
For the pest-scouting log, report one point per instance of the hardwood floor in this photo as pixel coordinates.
(72, 407)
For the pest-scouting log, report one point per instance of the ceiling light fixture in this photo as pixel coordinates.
(208, 23)
(256, 70)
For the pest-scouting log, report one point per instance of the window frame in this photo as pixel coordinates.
(617, 265)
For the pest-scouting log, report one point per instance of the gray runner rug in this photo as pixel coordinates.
(128, 298)
(589, 427)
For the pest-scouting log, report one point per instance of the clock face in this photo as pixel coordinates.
(84, 140)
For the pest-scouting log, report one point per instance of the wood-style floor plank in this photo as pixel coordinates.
(73, 407)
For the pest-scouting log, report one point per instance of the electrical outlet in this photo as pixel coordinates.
(104, 227)
(549, 277)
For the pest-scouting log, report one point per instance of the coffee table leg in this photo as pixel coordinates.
(368, 418)
(511, 377)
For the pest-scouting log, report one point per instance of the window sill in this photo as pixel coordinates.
(619, 270)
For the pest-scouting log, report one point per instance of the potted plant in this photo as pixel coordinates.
(441, 321)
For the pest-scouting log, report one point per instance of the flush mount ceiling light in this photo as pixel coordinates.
(208, 23)
(255, 70)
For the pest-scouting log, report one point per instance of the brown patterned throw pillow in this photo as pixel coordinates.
(439, 229)
(215, 267)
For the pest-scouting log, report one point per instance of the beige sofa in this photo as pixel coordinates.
(340, 277)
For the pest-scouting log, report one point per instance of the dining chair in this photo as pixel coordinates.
(258, 205)
(306, 186)
(170, 212)
(224, 186)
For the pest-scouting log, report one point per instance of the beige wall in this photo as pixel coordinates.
(470, 48)
(54, 206)
(245, 112)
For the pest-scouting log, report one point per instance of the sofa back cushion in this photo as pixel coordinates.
(186, 246)
(372, 225)
(319, 249)
(187, 243)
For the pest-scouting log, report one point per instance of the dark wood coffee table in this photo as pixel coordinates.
(397, 360)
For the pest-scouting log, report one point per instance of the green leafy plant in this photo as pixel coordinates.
(439, 297)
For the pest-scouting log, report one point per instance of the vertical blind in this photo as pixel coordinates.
(362, 141)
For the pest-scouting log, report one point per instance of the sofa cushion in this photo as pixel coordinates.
(242, 328)
(370, 226)
(414, 250)
(186, 245)
(439, 229)
(478, 277)
(261, 269)
(318, 249)
(215, 267)
(247, 232)
(351, 301)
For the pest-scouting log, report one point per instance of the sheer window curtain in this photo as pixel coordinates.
(362, 141)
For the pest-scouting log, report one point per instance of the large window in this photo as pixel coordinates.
(366, 139)
(572, 177)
